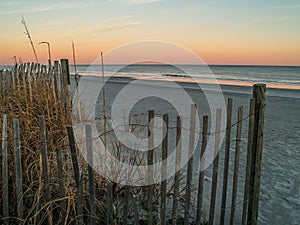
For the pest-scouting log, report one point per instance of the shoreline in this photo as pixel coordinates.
(202, 81)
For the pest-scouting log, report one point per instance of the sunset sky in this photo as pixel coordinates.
(220, 32)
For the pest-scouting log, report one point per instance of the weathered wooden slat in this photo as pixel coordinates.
(150, 163)
(110, 204)
(20, 68)
(66, 81)
(189, 176)
(23, 69)
(28, 69)
(73, 154)
(89, 149)
(25, 88)
(249, 158)
(43, 74)
(55, 79)
(61, 185)
(13, 79)
(32, 68)
(135, 211)
(45, 174)
(50, 70)
(259, 94)
(5, 193)
(202, 170)
(236, 163)
(226, 161)
(18, 82)
(126, 205)
(29, 80)
(80, 201)
(163, 200)
(43, 143)
(38, 72)
(215, 168)
(1, 83)
(177, 169)
(9, 79)
(18, 165)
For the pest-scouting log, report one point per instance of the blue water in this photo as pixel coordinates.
(285, 75)
(267, 74)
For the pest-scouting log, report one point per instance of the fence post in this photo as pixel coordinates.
(39, 70)
(43, 142)
(89, 149)
(80, 201)
(3, 87)
(202, 170)
(164, 170)
(259, 94)
(18, 165)
(29, 80)
(43, 74)
(177, 170)
(1, 82)
(150, 164)
(45, 174)
(236, 163)
(61, 185)
(249, 158)
(78, 178)
(32, 67)
(226, 161)
(5, 215)
(23, 69)
(190, 165)
(135, 210)
(73, 154)
(126, 204)
(25, 86)
(66, 81)
(55, 79)
(28, 69)
(110, 202)
(13, 74)
(215, 168)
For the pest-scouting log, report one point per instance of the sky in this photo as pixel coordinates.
(235, 32)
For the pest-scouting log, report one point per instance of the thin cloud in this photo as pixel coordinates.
(140, 2)
(295, 6)
(95, 32)
(49, 8)
(270, 20)
(119, 26)
(119, 18)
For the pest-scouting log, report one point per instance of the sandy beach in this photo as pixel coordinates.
(279, 199)
(220, 82)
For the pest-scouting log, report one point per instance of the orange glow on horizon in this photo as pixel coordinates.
(254, 33)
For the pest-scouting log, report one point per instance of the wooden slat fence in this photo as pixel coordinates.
(51, 185)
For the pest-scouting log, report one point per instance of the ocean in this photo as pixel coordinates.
(283, 80)
(268, 74)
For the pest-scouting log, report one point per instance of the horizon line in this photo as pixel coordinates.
(175, 64)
